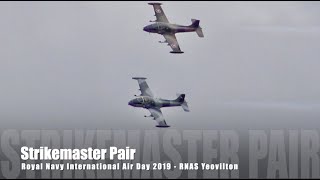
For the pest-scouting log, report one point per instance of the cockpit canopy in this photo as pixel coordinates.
(142, 100)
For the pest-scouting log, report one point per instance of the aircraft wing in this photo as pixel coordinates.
(157, 114)
(173, 43)
(144, 88)
(161, 17)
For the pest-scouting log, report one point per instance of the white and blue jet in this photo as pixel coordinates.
(148, 101)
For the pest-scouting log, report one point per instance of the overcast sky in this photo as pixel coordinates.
(70, 64)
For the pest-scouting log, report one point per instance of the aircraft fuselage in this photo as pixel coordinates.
(149, 102)
(167, 28)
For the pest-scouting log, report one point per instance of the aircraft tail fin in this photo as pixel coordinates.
(195, 24)
(184, 103)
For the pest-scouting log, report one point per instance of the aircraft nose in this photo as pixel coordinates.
(130, 103)
(147, 29)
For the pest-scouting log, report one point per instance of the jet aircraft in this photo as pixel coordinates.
(148, 101)
(164, 27)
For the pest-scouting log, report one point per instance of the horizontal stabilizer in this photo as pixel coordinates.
(199, 32)
(185, 106)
